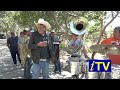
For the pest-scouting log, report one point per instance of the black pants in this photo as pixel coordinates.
(13, 54)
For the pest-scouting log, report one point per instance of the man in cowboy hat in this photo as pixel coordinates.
(38, 45)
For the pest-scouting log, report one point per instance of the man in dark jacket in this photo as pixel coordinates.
(38, 45)
(56, 42)
(12, 44)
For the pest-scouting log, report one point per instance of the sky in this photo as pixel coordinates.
(116, 22)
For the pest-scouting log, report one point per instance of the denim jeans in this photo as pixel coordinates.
(37, 67)
(57, 66)
(28, 64)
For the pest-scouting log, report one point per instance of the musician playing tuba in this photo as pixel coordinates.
(76, 45)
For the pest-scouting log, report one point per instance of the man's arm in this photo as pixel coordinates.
(85, 51)
(31, 44)
(8, 44)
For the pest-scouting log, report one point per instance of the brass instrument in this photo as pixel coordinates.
(104, 49)
(78, 27)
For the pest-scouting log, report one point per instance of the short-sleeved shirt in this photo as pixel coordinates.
(115, 59)
(77, 42)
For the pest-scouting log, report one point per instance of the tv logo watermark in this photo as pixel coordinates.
(99, 65)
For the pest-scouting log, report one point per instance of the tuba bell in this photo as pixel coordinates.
(77, 26)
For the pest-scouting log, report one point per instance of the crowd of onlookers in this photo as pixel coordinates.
(37, 46)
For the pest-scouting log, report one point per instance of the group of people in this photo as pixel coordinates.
(39, 46)
(18, 46)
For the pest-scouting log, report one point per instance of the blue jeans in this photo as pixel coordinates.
(57, 66)
(36, 70)
(28, 64)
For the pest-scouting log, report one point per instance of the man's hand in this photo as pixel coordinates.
(42, 44)
(116, 44)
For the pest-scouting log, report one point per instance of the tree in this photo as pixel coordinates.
(60, 20)
(114, 14)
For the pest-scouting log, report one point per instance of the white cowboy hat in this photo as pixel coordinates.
(41, 21)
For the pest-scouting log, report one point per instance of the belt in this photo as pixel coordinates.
(42, 59)
(75, 55)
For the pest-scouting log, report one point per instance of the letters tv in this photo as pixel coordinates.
(99, 65)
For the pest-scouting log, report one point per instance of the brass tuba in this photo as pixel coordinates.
(77, 26)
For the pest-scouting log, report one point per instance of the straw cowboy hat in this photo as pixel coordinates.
(42, 21)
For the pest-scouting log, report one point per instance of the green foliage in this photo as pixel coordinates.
(26, 18)
(62, 45)
(55, 18)
(7, 22)
(17, 20)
